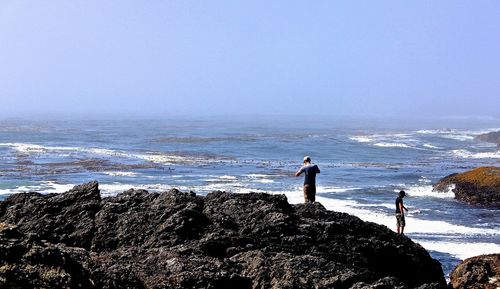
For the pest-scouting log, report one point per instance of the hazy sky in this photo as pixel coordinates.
(414, 58)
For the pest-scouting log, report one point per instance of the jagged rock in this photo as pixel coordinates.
(180, 240)
(481, 272)
(31, 263)
(59, 218)
(480, 186)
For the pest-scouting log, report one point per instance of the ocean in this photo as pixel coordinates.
(363, 165)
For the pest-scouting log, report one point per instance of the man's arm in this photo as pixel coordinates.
(402, 207)
(299, 172)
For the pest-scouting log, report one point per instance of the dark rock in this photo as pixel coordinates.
(67, 218)
(179, 240)
(491, 137)
(480, 186)
(481, 272)
(27, 263)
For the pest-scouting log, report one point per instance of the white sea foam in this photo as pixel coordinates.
(326, 189)
(391, 145)
(425, 180)
(430, 146)
(34, 148)
(44, 187)
(121, 174)
(461, 250)
(470, 155)
(426, 191)
(459, 137)
(429, 131)
(226, 177)
(160, 158)
(361, 139)
(25, 148)
(256, 176)
(259, 178)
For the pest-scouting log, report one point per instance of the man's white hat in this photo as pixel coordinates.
(307, 159)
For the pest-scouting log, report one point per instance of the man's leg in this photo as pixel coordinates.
(306, 193)
(312, 193)
(398, 223)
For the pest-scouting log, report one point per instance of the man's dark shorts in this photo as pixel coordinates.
(400, 220)
(309, 193)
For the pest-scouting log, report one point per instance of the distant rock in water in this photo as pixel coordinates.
(480, 186)
(481, 272)
(491, 137)
(181, 240)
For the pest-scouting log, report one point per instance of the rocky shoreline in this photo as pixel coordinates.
(480, 186)
(477, 272)
(172, 239)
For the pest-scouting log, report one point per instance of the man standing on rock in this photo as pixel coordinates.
(310, 170)
(400, 215)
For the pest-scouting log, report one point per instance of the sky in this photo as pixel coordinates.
(420, 58)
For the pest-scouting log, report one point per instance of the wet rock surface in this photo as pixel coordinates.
(480, 186)
(139, 239)
(481, 272)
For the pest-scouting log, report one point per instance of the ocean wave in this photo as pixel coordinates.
(426, 191)
(456, 134)
(482, 155)
(46, 187)
(430, 146)
(196, 139)
(394, 140)
(121, 174)
(392, 145)
(459, 137)
(226, 177)
(260, 178)
(326, 189)
(362, 139)
(461, 250)
(154, 157)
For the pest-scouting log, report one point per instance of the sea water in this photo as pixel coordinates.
(363, 165)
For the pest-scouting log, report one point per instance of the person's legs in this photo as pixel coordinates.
(400, 223)
(309, 193)
(312, 194)
(306, 197)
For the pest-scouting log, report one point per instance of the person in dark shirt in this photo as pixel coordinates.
(310, 170)
(400, 215)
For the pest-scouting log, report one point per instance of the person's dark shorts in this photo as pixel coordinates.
(400, 220)
(309, 193)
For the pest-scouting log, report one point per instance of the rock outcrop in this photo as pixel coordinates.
(480, 186)
(481, 272)
(181, 240)
(491, 137)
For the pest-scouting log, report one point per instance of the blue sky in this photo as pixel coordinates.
(157, 58)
